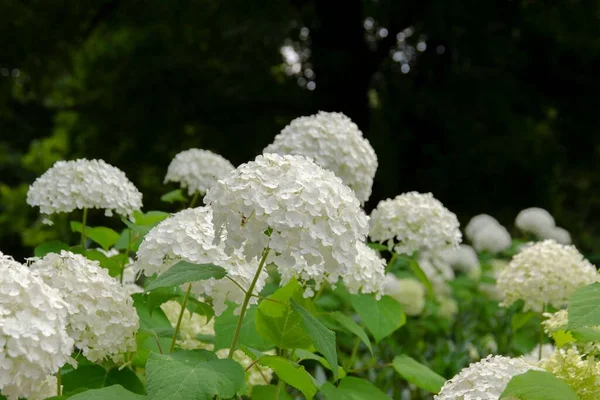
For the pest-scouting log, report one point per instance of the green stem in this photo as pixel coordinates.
(126, 257)
(353, 354)
(392, 261)
(83, 226)
(183, 304)
(541, 332)
(280, 385)
(58, 383)
(194, 199)
(320, 291)
(238, 328)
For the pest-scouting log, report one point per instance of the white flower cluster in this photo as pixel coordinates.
(410, 293)
(417, 221)
(464, 259)
(544, 273)
(198, 170)
(335, 143)
(557, 323)
(102, 319)
(483, 380)
(540, 222)
(33, 337)
(486, 234)
(367, 274)
(189, 236)
(71, 185)
(303, 213)
(581, 373)
(438, 272)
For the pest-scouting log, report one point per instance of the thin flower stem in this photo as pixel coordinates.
(58, 383)
(194, 199)
(321, 290)
(392, 261)
(237, 284)
(353, 354)
(183, 304)
(541, 332)
(238, 328)
(83, 226)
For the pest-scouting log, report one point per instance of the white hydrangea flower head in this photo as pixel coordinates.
(192, 325)
(555, 321)
(198, 170)
(561, 235)
(533, 357)
(303, 213)
(335, 143)
(438, 271)
(102, 319)
(417, 222)
(79, 184)
(545, 273)
(367, 274)
(410, 293)
(483, 380)
(45, 389)
(464, 259)
(581, 373)
(478, 222)
(535, 220)
(493, 238)
(189, 236)
(33, 336)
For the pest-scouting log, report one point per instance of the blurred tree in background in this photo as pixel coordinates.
(490, 106)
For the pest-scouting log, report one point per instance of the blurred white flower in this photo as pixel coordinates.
(493, 238)
(533, 357)
(71, 185)
(448, 307)
(464, 259)
(478, 222)
(189, 236)
(102, 319)
(33, 337)
(544, 273)
(367, 273)
(335, 143)
(303, 213)
(534, 220)
(197, 170)
(561, 235)
(417, 222)
(410, 293)
(438, 272)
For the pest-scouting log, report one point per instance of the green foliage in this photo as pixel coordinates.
(53, 246)
(291, 374)
(584, 307)
(353, 327)
(226, 323)
(102, 235)
(381, 317)
(538, 385)
(174, 196)
(354, 389)
(418, 374)
(115, 392)
(185, 272)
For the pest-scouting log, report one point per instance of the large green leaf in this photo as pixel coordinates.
(418, 374)
(54, 246)
(538, 385)
(584, 307)
(291, 374)
(381, 317)
(126, 378)
(185, 272)
(519, 320)
(85, 376)
(173, 196)
(115, 392)
(353, 327)
(102, 235)
(422, 276)
(149, 218)
(351, 388)
(269, 392)
(226, 323)
(322, 338)
(302, 355)
(190, 375)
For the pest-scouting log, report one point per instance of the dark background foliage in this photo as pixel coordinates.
(489, 105)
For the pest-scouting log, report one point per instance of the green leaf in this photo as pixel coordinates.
(126, 378)
(353, 327)
(302, 355)
(54, 246)
(584, 307)
(322, 338)
(102, 235)
(141, 230)
(377, 246)
(538, 385)
(195, 306)
(587, 334)
(381, 317)
(291, 374)
(148, 321)
(173, 196)
(159, 296)
(351, 388)
(86, 376)
(418, 374)
(277, 322)
(150, 218)
(269, 393)
(416, 269)
(185, 272)
(190, 375)
(226, 323)
(115, 392)
(519, 320)
(113, 267)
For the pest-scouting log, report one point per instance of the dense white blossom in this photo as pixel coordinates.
(478, 222)
(493, 238)
(71, 185)
(410, 293)
(335, 143)
(189, 236)
(102, 319)
(417, 222)
(483, 380)
(307, 218)
(198, 170)
(367, 274)
(465, 259)
(545, 273)
(33, 337)
(535, 220)
(581, 373)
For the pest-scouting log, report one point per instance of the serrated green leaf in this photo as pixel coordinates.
(115, 392)
(159, 296)
(226, 323)
(291, 374)
(381, 317)
(185, 272)
(421, 276)
(351, 388)
(538, 385)
(173, 196)
(302, 355)
(126, 378)
(195, 306)
(102, 235)
(269, 392)
(54, 246)
(149, 218)
(584, 307)
(418, 374)
(86, 376)
(352, 327)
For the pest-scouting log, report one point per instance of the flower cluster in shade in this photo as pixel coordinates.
(33, 337)
(414, 222)
(194, 326)
(335, 143)
(189, 236)
(486, 234)
(540, 223)
(409, 292)
(79, 184)
(307, 218)
(544, 273)
(483, 380)
(465, 260)
(197, 170)
(580, 372)
(101, 317)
